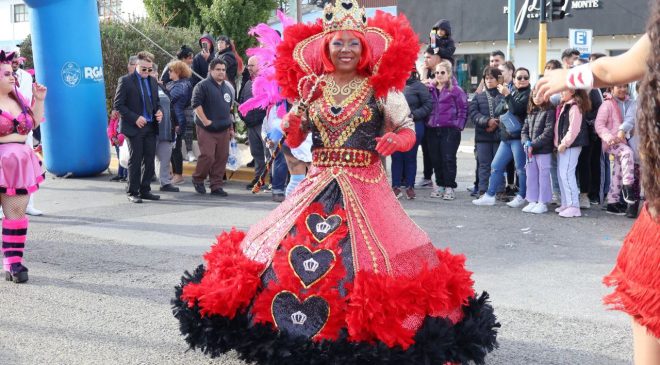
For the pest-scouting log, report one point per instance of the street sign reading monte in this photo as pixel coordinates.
(581, 40)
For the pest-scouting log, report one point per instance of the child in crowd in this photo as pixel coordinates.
(570, 136)
(537, 137)
(116, 140)
(441, 40)
(618, 109)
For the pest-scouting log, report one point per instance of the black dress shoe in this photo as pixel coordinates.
(134, 199)
(199, 187)
(169, 188)
(115, 178)
(219, 192)
(150, 196)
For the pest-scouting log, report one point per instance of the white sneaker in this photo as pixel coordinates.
(517, 202)
(33, 211)
(540, 208)
(449, 194)
(191, 157)
(485, 200)
(529, 207)
(438, 192)
(584, 201)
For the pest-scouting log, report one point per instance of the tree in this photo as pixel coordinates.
(233, 18)
(177, 13)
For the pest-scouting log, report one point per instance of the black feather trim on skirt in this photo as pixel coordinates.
(437, 341)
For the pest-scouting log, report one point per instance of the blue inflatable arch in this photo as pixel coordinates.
(66, 43)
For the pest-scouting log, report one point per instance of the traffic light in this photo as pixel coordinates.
(557, 9)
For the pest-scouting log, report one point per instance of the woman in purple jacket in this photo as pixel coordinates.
(444, 129)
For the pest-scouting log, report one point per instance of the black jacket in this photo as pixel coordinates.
(539, 128)
(479, 113)
(228, 56)
(254, 117)
(445, 45)
(582, 138)
(201, 65)
(419, 100)
(128, 102)
(516, 102)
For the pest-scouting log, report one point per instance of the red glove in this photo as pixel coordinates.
(291, 126)
(401, 141)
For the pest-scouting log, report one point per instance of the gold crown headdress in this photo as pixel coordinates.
(346, 15)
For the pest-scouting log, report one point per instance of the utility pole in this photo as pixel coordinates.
(543, 36)
(511, 24)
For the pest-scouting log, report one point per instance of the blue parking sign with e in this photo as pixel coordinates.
(581, 38)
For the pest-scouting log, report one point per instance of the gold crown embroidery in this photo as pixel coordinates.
(347, 15)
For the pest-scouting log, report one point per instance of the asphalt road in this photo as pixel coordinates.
(102, 273)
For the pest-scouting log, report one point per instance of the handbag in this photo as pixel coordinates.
(511, 123)
(124, 154)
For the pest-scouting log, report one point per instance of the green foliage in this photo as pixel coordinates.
(119, 41)
(177, 13)
(218, 17)
(235, 18)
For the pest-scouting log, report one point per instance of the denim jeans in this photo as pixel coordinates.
(121, 171)
(406, 162)
(508, 150)
(279, 174)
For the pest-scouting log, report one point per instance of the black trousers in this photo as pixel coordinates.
(443, 145)
(142, 149)
(177, 157)
(428, 165)
(588, 169)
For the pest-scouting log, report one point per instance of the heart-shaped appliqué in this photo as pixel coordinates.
(336, 110)
(321, 227)
(310, 267)
(346, 5)
(306, 318)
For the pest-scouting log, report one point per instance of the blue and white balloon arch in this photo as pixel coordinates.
(66, 43)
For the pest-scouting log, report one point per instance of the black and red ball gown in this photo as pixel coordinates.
(338, 273)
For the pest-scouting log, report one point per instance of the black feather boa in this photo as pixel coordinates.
(438, 341)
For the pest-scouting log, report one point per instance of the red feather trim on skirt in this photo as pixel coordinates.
(231, 279)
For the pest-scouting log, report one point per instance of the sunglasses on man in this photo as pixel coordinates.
(146, 69)
(520, 78)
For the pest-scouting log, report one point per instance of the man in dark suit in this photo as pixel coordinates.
(137, 102)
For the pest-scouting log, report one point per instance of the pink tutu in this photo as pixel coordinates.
(20, 169)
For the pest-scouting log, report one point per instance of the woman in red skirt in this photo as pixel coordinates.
(636, 276)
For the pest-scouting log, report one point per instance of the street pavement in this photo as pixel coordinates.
(102, 273)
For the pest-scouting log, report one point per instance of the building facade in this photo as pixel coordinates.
(15, 16)
(480, 27)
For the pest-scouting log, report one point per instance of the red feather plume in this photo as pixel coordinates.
(399, 58)
(287, 70)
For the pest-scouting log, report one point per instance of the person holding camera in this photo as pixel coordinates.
(211, 101)
(200, 64)
(511, 111)
(486, 131)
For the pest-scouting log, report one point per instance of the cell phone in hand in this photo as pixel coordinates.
(500, 80)
(205, 46)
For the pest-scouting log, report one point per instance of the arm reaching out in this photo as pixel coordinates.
(606, 71)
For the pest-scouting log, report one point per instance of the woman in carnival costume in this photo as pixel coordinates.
(20, 169)
(338, 273)
(635, 276)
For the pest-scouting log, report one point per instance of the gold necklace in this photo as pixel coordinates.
(346, 90)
